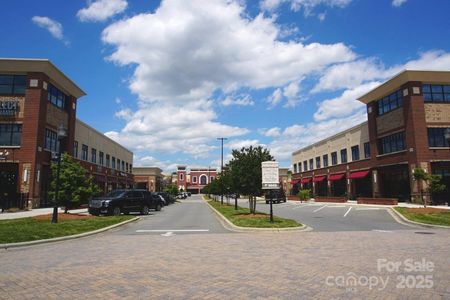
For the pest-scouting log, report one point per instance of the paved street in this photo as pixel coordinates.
(334, 217)
(222, 265)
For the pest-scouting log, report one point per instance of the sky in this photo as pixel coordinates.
(167, 78)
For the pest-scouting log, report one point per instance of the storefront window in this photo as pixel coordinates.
(392, 143)
(436, 137)
(10, 134)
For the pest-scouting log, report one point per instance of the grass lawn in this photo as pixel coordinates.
(432, 216)
(242, 217)
(39, 228)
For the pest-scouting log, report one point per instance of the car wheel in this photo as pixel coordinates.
(145, 210)
(267, 202)
(116, 211)
(158, 207)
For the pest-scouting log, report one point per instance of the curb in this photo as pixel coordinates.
(411, 223)
(230, 226)
(68, 237)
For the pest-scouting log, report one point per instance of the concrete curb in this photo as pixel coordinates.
(410, 223)
(230, 226)
(68, 237)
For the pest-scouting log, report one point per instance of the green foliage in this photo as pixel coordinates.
(434, 184)
(171, 190)
(75, 187)
(433, 217)
(304, 195)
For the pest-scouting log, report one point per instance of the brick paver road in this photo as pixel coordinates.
(223, 266)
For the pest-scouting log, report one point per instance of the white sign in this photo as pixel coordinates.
(270, 176)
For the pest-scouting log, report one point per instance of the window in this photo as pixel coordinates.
(51, 141)
(56, 97)
(355, 153)
(295, 168)
(311, 164)
(390, 102)
(305, 166)
(101, 156)
(334, 158)
(84, 152)
(123, 166)
(318, 162)
(181, 176)
(436, 137)
(126, 167)
(212, 179)
(75, 149)
(107, 160)
(194, 179)
(325, 160)
(10, 134)
(131, 168)
(94, 155)
(13, 84)
(113, 162)
(343, 156)
(118, 164)
(392, 143)
(366, 150)
(436, 93)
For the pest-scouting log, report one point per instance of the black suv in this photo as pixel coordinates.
(276, 195)
(167, 197)
(125, 201)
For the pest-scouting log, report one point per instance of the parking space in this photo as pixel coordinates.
(335, 217)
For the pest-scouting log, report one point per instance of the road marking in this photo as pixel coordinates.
(338, 206)
(170, 233)
(350, 208)
(320, 208)
(368, 208)
(379, 230)
(170, 230)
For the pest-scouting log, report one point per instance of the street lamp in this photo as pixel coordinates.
(221, 173)
(62, 133)
(447, 135)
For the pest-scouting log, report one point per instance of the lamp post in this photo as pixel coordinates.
(221, 172)
(62, 133)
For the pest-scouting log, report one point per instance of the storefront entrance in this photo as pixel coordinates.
(394, 182)
(443, 170)
(8, 183)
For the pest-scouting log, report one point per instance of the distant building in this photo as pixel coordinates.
(149, 178)
(195, 179)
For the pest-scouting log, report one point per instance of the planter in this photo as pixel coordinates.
(378, 201)
(331, 199)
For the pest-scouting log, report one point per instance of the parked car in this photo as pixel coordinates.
(182, 196)
(125, 201)
(277, 196)
(189, 194)
(169, 199)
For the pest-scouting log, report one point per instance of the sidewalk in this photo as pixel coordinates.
(400, 204)
(36, 212)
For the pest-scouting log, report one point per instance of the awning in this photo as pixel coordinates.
(359, 174)
(319, 178)
(335, 177)
(306, 180)
(294, 182)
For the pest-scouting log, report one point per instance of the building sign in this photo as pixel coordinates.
(8, 108)
(270, 176)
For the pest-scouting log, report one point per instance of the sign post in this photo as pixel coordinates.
(270, 180)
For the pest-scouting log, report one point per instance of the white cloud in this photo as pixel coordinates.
(271, 132)
(240, 100)
(291, 92)
(100, 10)
(275, 98)
(239, 144)
(55, 28)
(306, 5)
(398, 3)
(150, 161)
(431, 60)
(322, 16)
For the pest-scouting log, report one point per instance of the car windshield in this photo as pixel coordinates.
(115, 194)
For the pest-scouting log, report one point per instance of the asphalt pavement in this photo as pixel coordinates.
(187, 216)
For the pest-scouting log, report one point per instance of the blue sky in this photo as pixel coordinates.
(166, 78)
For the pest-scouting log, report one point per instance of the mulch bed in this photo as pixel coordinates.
(428, 210)
(251, 216)
(63, 217)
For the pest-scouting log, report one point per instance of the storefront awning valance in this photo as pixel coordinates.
(359, 174)
(336, 177)
(293, 182)
(319, 178)
(306, 180)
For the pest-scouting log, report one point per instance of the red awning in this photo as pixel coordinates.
(359, 174)
(293, 182)
(319, 178)
(335, 177)
(306, 180)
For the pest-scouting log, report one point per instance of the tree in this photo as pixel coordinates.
(304, 195)
(75, 187)
(246, 173)
(171, 190)
(433, 182)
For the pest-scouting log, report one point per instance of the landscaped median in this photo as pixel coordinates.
(429, 215)
(41, 228)
(244, 219)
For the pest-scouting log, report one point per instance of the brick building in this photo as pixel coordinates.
(35, 99)
(407, 118)
(149, 178)
(195, 179)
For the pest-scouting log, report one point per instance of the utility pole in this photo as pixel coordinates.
(221, 172)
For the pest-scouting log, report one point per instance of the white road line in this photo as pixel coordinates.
(338, 206)
(379, 230)
(170, 230)
(320, 208)
(350, 208)
(368, 208)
